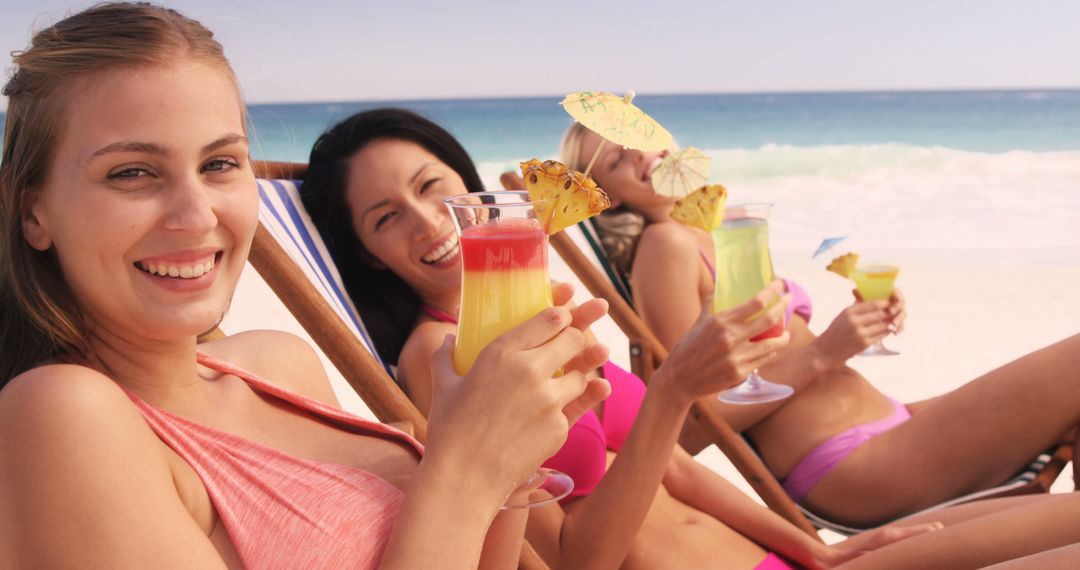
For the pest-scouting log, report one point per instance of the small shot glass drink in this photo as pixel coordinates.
(743, 268)
(504, 282)
(875, 283)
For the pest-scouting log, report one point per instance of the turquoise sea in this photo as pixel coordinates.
(501, 129)
(984, 168)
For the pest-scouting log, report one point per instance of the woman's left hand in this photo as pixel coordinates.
(841, 552)
(897, 310)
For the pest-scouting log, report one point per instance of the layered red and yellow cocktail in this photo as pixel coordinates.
(504, 282)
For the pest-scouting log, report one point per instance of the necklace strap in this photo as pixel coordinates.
(438, 315)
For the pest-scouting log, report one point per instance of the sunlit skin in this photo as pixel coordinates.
(669, 280)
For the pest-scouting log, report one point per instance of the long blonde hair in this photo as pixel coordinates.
(619, 228)
(40, 320)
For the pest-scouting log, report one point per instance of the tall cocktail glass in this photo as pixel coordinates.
(743, 268)
(504, 282)
(875, 283)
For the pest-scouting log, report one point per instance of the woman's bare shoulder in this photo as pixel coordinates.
(668, 239)
(426, 338)
(56, 395)
(86, 481)
(59, 420)
(279, 357)
(414, 363)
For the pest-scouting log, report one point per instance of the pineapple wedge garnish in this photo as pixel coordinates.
(703, 208)
(844, 265)
(569, 196)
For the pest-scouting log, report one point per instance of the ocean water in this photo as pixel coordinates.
(971, 170)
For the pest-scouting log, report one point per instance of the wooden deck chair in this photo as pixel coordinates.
(290, 256)
(604, 281)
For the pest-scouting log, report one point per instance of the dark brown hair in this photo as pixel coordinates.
(388, 305)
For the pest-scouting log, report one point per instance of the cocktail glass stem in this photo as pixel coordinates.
(878, 349)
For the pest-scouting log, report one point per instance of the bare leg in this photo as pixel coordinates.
(968, 511)
(969, 439)
(1063, 558)
(997, 537)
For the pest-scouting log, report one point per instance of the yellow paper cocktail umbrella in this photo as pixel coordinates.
(681, 172)
(618, 120)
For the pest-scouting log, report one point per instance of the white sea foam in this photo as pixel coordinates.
(891, 196)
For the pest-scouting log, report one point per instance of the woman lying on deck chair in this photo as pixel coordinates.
(870, 459)
(375, 185)
(128, 207)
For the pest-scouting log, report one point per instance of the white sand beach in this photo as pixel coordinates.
(969, 312)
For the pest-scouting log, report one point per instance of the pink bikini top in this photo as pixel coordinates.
(800, 299)
(583, 457)
(282, 511)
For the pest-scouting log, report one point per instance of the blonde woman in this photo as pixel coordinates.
(841, 447)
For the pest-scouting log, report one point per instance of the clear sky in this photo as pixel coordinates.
(404, 49)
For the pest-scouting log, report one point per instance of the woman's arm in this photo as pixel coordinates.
(600, 530)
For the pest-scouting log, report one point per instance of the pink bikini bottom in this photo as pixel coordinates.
(814, 466)
(773, 562)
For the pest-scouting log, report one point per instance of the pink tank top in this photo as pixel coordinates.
(282, 511)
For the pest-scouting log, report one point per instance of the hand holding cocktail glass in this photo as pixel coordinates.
(717, 352)
(742, 267)
(880, 310)
(513, 386)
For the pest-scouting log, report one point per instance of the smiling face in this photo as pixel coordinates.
(149, 201)
(395, 194)
(625, 174)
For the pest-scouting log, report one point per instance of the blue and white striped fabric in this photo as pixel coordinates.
(282, 213)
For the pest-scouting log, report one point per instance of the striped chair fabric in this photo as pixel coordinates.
(282, 213)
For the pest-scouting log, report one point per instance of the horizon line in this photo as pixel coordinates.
(3, 101)
(681, 93)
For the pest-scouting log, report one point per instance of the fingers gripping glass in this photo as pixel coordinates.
(743, 268)
(504, 282)
(875, 283)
